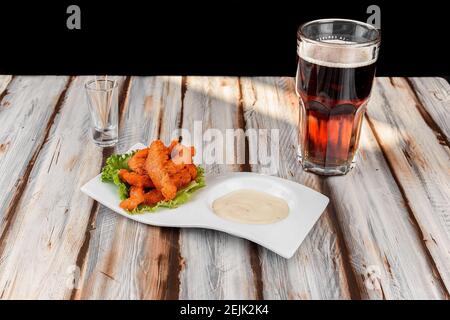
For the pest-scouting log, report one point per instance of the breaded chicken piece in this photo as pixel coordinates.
(134, 179)
(158, 166)
(135, 199)
(168, 176)
(153, 197)
(184, 176)
(137, 162)
(192, 168)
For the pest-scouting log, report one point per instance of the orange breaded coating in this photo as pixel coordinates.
(134, 179)
(135, 199)
(184, 176)
(192, 168)
(153, 197)
(158, 165)
(137, 162)
(167, 175)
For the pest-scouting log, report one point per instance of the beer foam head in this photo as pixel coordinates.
(335, 53)
(338, 43)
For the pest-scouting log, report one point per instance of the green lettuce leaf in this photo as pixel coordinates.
(110, 174)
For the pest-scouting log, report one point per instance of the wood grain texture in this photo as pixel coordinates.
(419, 163)
(434, 96)
(4, 82)
(385, 249)
(126, 259)
(27, 108)
(215, 264)
(385, 234)
(317, 269)
(41, 247)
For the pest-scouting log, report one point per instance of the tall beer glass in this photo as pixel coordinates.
(335, 72)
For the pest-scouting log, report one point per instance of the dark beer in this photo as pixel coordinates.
(334, 100)
(336, 67)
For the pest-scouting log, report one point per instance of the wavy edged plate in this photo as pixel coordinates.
(282, 237)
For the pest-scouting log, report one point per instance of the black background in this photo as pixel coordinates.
(293, 309)
(207, 37)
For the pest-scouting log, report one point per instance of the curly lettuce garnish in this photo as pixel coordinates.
(110, 174)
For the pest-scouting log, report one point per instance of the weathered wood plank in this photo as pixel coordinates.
(385, 248)
(434, 96)
(4, 82)
(216, 265)
(27, 109)
(41, 247)
(403, 162)
(317, 270)
(126, 259)
(419, 163)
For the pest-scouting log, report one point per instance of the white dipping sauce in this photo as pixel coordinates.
(251, 206)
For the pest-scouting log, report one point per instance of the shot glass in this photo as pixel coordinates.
(103, 105)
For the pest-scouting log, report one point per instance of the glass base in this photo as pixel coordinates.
(326, 171)
(105, 138)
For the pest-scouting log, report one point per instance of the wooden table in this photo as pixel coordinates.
(384, 235)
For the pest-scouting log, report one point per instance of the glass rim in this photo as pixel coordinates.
(88, 84)
(368, 43)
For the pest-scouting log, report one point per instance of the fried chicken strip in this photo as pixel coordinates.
(137, 162)
(135, 199)
(184, 176)
(167, 175)
(157, 165)
(153, 197)
(134, 179)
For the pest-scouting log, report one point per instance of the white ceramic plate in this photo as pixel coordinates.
(283, 237)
